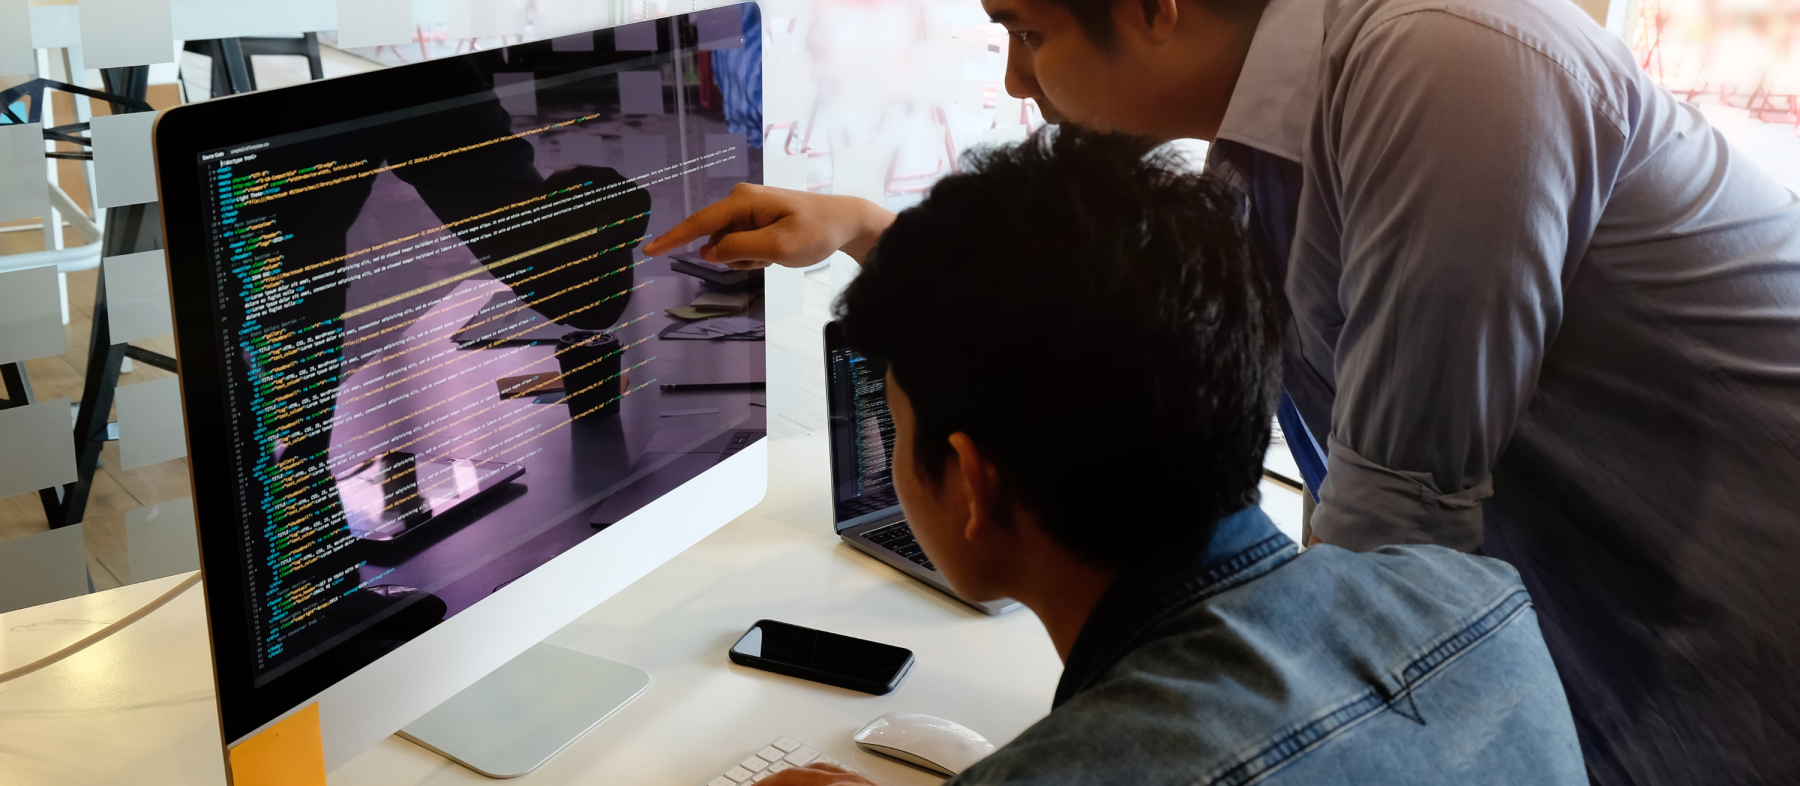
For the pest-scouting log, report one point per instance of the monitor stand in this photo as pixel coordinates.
(513, 720)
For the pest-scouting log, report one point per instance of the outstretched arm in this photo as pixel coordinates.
(758, 226)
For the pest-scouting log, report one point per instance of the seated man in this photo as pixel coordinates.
(1083, 364)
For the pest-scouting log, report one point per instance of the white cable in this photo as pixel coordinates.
(102, 633)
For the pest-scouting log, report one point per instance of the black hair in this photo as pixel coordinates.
(1095, 16)
(1087, 310)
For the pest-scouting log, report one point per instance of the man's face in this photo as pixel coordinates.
(938, 512)
(1165, 83)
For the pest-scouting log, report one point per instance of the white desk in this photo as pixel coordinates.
(138, 709)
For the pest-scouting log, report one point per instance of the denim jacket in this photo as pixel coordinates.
(1250, 663)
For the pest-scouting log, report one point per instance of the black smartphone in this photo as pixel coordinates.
(857, 664)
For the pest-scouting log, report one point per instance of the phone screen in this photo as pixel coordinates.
(817, 650)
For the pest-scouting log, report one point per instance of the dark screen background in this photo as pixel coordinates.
(348, 259)
(862, 436)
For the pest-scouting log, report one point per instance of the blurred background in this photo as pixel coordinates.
(1738, 61)
(873, 98)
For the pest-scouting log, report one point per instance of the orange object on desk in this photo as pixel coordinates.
(289, 753)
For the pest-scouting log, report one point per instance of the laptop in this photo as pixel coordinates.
(864, 506)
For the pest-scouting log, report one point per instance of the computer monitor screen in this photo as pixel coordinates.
(434, 349)
(862, 435)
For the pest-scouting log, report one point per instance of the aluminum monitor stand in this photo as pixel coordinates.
(514, 719)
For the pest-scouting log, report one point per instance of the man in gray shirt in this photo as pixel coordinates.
(1199, 648)
(1534, 306)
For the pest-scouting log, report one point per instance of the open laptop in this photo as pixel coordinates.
(864, 507)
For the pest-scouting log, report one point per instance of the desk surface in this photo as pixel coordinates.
(139, 707)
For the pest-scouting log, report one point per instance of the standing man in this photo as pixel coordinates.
(1533, 306)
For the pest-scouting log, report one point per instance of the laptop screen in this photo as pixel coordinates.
(862, 435)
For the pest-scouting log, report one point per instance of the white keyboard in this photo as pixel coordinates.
(782, 754)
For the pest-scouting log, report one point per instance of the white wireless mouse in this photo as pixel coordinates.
(930, 742)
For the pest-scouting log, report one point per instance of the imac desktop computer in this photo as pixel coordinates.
(438, 404)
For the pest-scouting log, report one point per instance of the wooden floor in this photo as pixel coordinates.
(115, 490)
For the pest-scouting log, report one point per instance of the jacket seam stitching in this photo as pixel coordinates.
(1371, 703)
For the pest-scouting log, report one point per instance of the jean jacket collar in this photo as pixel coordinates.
(1244, 545)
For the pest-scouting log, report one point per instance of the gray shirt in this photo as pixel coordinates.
(1537, 306)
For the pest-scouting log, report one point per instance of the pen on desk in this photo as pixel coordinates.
(670, 387)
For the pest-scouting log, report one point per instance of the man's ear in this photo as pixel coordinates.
(1153, 19)
(982, 479)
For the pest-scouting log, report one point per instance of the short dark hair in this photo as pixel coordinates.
(1095, 16)
(1087, 310)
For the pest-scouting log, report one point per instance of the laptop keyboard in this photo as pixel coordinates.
(898, 538)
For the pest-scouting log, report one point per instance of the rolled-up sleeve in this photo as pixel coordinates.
(1455, 176)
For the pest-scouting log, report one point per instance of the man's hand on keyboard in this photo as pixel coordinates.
(817, 775)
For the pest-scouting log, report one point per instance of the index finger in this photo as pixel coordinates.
(718, 216)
